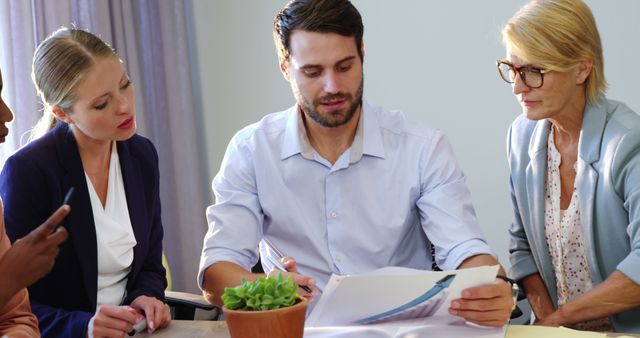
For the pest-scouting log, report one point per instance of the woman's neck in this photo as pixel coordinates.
(568, 123)
(95, 154)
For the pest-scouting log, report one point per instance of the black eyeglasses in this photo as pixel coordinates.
(531, 76)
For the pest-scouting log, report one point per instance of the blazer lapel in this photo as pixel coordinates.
(593, 124)
(134, 189)
(536, 173)
(79, 223)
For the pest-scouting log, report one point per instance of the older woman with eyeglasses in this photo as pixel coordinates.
(574, 161)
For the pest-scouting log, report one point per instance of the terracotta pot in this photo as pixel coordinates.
(287, 322)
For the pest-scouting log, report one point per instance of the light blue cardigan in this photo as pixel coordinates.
(608, 185)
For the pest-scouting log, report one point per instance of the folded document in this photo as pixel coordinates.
(394, 294)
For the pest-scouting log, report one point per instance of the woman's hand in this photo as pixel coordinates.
(113, 321)
(33, 256)
(538, 296)
(553, 319)
(155, 311)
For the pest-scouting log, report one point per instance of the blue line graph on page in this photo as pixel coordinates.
(423, 306)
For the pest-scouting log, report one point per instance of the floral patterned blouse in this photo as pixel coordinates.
(563, 233)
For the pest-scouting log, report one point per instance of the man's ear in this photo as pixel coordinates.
(584, 70)
(61, 115)
(362, 50)
(284, 69)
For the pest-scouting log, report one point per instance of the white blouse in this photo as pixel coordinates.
(114, 235)
(563, 233)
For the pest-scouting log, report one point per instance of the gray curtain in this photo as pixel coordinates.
(154, 38)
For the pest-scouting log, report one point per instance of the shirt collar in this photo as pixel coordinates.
(292, 143)
(372, 144)
(367, 141)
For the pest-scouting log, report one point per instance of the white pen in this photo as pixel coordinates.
(138, 327)
(276, 262)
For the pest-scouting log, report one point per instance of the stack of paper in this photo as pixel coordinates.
(397, 302)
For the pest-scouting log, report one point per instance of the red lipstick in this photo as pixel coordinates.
(128, 123)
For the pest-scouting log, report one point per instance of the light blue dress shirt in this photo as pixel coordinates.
(395, 191)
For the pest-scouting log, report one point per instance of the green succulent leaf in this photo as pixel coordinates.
(262, 294)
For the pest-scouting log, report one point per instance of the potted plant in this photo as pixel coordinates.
(266, 308)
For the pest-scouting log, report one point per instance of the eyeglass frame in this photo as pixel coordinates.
(520, 71)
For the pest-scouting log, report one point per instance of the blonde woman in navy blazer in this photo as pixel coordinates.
(579, 267)
(84, 85)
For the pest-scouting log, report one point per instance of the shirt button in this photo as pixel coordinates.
(338, 258)
(333, 214)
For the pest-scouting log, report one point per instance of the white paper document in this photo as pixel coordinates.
(397, 302)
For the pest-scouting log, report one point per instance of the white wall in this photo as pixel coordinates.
(435, 60)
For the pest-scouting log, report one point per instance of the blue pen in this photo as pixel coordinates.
(276, 262)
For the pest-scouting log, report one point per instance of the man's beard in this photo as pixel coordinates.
(309, 108)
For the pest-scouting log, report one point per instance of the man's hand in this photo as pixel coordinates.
(292, 270)
(155, 311)
(33, 256)
(488, 305)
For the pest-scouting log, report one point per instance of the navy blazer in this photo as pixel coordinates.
(33, 183)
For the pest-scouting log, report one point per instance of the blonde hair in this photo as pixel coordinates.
(558, 35)
(59, 63)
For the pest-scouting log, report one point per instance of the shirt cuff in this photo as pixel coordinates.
(630, 266)
(212, 256)
(467, 249)
(522, 265)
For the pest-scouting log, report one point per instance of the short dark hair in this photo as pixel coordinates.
(322, 16)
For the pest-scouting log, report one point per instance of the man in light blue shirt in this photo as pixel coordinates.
(337, 184)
